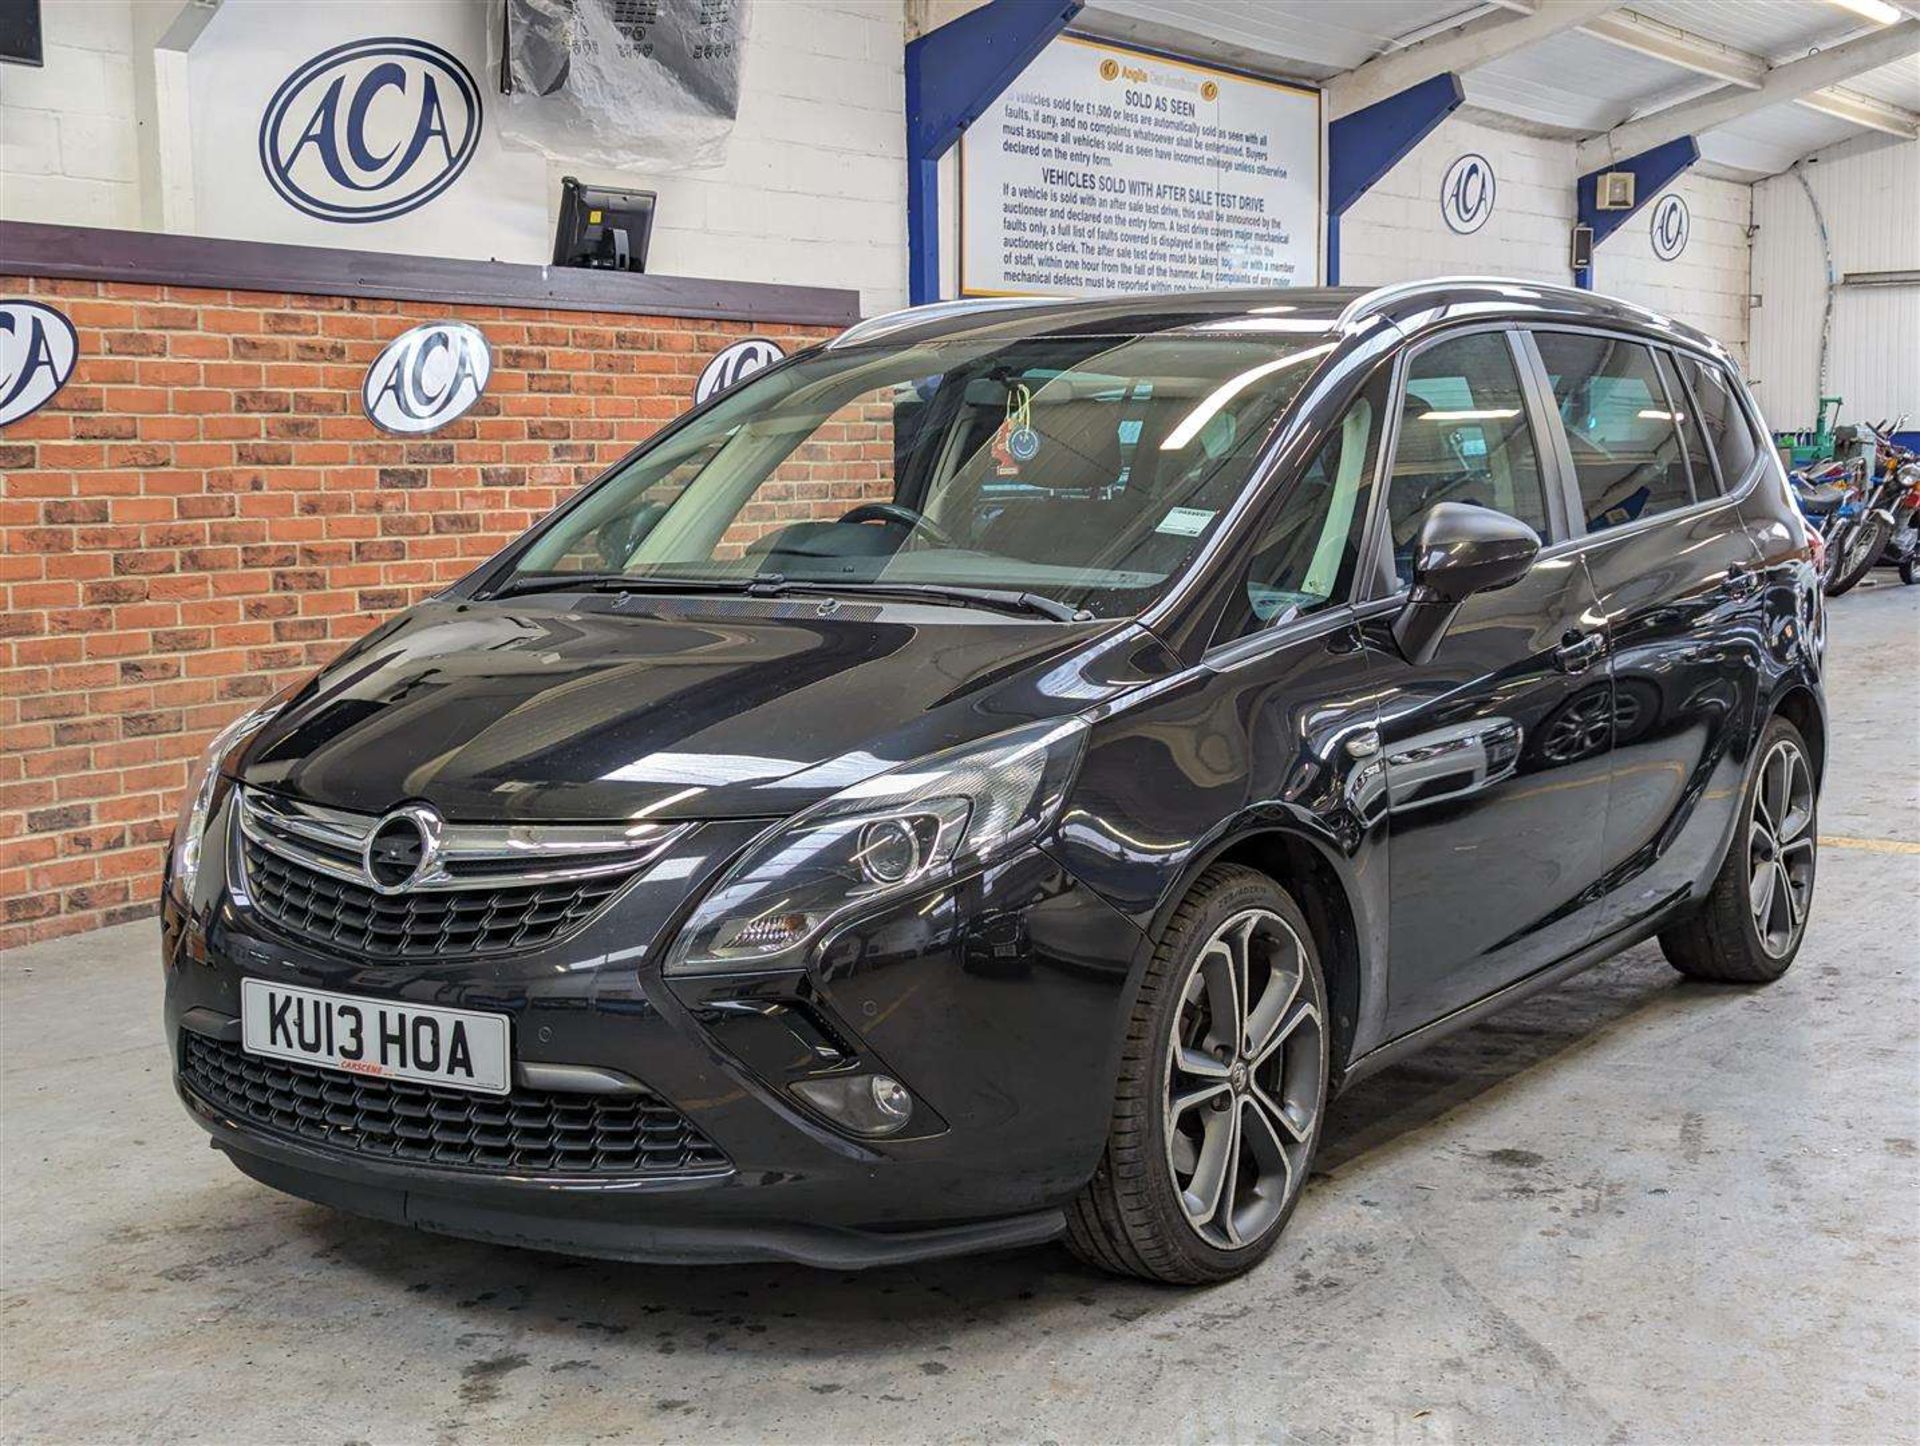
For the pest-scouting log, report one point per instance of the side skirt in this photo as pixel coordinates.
(1386, 1055)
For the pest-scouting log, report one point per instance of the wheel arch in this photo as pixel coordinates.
(1798, 705)
(1306, 869)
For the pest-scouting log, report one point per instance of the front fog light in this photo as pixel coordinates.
(866, 1104)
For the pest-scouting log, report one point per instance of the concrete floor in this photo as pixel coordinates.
(1630, 1210)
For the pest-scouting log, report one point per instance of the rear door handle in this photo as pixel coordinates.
(1579, 651)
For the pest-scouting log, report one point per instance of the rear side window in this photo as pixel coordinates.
(1620, 425)
(1464, 437)
(1722, 418)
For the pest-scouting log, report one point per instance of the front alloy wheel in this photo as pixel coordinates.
(1243, 1080)
(1223, 1083)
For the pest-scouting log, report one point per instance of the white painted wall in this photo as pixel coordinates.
(1866, 191)
(67, 149)
(812, 191)
(1396, 233)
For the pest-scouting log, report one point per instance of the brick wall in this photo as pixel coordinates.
(203, 514)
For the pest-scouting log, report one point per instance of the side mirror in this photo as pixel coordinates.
(1462, 550)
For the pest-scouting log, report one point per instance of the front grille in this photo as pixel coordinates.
(537, 1132)
(422, 925)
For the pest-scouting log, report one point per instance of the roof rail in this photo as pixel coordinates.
(892, 321)
(1379, 298)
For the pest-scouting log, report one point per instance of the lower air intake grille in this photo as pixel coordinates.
(535, 1132)
(422, 925)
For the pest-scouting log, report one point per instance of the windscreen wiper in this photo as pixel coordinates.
(1003, 600)
(614, 582)
(773, 584)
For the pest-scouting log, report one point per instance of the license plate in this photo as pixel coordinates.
(456, 1048)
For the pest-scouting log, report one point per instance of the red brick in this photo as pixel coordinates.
(205, 514)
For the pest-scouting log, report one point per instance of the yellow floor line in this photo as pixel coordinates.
(1871, 845)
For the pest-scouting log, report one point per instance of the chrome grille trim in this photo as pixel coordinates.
(333, 841)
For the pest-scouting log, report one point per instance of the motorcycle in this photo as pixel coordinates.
(1903, 546)
(1865, 509)
(1828, 496)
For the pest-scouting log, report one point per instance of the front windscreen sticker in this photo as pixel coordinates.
(1185, 521)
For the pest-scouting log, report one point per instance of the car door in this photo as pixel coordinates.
(1677, 576)
(1495, 749)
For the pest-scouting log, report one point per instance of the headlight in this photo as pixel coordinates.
(891, 834)
(197, 802)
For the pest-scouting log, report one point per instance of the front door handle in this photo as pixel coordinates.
(1579, 651)
(1742, 581)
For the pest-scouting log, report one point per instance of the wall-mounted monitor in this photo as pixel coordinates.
(603, 228)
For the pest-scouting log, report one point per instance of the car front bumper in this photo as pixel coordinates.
(997, 999)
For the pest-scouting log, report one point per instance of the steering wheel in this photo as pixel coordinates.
(900, 515)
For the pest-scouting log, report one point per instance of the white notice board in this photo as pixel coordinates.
(1108, 169)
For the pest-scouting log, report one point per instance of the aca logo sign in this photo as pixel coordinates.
(426, 377)
(735, 365)
(370, 130)
(38, 348)
(1466, 195)
(1669, 226)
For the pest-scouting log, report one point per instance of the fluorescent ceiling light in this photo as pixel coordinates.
(1484, 414)
(1191, 424)
(1654, 414)
(1878, 11)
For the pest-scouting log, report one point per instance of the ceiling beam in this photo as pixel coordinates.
(1474, 42)
(1864, 110)
(1792, 81)
(1678, 47)
(1696, 53)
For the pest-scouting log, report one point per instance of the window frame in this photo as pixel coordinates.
(1376, 579)
(1730, 492)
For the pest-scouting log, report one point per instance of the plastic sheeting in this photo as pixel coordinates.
(632, 84)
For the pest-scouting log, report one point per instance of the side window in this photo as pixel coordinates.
(1725, 424)
(1619, 425)
(1692, 439)
(1464, 437)
(1309, 546)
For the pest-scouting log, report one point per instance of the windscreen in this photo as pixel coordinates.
(1087, 470)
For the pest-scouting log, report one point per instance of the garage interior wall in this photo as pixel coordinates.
(1396, 233)
(1866, 192)
(812, 191)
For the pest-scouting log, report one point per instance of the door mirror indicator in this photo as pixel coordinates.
(1462, 550)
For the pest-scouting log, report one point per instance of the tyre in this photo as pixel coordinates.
(1857, 550)
(1910, 569)
(1222, 1089)
(1754, 916)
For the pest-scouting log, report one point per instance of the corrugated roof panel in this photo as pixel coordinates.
(1773, 29)
(1897, 84)
(1576, 81)
(1324, 36)
(1770, 140)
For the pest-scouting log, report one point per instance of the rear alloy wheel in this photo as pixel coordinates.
(1755, 915)
(1221, 1093)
